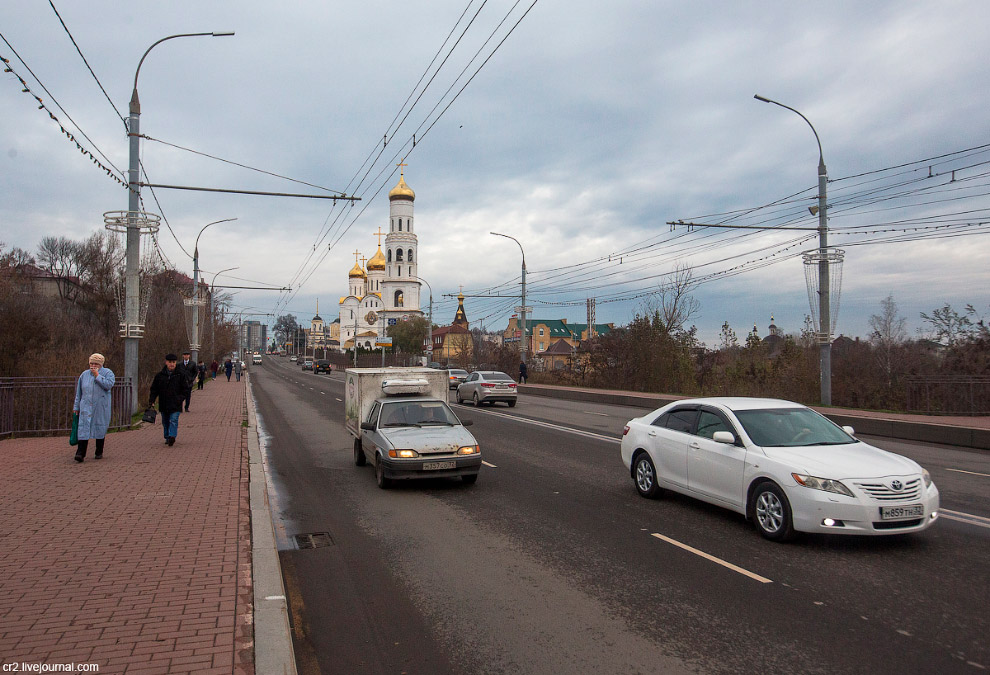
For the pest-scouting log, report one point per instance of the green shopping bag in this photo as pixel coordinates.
(74, 436)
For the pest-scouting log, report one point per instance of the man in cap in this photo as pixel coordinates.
(170, 387)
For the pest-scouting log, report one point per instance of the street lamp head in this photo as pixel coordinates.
(225, 33)
(762, 98)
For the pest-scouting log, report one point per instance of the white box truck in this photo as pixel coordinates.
(402, 424)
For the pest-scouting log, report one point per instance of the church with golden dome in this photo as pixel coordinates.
(386, 290)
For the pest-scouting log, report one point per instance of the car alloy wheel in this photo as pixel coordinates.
(645, 476)
(477, 401)
(383, 482)
(772, 512)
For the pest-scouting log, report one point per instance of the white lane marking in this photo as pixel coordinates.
(591, 412)
(548, 425)
(967, 518)
(324, 393)
(971, 473)
(488, 464)
(339, 399)
(719, 561)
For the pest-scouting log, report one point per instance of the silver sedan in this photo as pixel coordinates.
(487, 386)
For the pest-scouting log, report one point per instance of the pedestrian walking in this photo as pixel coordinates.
(188, 368)
(237, 369)
(169, 387)
(522, 372)
(214, 367)
(228, 367)
(201, 375)
(92, 403)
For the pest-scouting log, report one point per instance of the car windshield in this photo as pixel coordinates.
(416, 414)
(459, 373)
(791, 427)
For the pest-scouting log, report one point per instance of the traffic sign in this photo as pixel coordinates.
(527, 309)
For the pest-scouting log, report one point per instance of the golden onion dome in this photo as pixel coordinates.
(377, 261)
(401, 191)
(356, 272)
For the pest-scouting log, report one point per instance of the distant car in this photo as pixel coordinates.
(784, 466)
(321, 366)
(293, 358)
(487, 386)
(455, 376)
(307, 364)
(256, 360)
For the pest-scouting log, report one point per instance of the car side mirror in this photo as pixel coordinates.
(849, 430)
(726, 437)
(368, 426)
(467, 423)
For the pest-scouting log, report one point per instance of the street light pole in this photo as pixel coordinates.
(213, 334)
(429, 329)
(523, 308)
(132, 289)
(824, 311)
(194, 346)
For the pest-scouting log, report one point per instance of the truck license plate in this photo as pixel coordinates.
(433, 466)
(898, 512)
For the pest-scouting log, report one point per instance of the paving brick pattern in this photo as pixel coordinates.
(139, 562)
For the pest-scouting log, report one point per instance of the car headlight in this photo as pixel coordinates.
(927, 476)
(403, 454)
(468, 450)
(825, 484)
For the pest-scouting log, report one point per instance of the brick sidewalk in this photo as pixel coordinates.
(139, 562)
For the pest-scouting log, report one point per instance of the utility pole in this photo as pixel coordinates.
(824, 313)
(522, 309)
(133, 330)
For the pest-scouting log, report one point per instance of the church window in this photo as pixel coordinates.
(400, 224)
(398, 298)
(409, 257)
(400, 271)
(390, 255)
(398, 255)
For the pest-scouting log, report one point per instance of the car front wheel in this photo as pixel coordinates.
(772, 512)
(383, 482)
(477, 401)
(645, 475)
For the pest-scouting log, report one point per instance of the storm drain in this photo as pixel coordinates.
(313, 540)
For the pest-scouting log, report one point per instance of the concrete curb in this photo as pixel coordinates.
(272, 634)
(864, 422)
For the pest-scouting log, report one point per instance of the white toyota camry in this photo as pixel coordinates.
(782, 465)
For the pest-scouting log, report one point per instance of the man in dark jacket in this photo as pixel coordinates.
(170, 387)
(188, 367)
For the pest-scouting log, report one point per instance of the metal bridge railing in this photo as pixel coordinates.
(42, 406)
(949, 396)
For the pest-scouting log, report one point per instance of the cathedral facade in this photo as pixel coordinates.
(386, 290)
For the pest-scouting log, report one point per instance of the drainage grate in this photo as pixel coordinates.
(313, 540)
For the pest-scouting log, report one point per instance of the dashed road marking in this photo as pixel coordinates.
(718, 561)
(967, 518)
(488, 464)
(971, 473)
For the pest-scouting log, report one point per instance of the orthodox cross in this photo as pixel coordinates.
(401, 164)
(379, 234)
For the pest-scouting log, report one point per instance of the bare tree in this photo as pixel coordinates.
(672, 301)
(887, 334)
(948, 326)
(59, 256)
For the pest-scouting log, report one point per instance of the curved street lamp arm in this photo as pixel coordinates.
(821, 156)
(135, 104)
(499, 234)
(196, 248)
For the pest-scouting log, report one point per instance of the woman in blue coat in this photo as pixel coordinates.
(93, 405)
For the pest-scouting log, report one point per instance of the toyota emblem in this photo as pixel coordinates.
(896, 485)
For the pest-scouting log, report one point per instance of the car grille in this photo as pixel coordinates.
(882, 492)
(896, 524)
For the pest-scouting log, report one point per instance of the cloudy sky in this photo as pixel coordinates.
(579, 128)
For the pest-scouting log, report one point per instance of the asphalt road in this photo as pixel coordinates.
(552, 563)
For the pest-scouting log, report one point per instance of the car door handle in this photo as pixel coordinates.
(652, 433)
(695, 446)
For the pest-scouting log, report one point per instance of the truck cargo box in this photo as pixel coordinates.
(362, 386)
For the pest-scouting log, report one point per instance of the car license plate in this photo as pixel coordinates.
(899, 512)
(434, 466)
